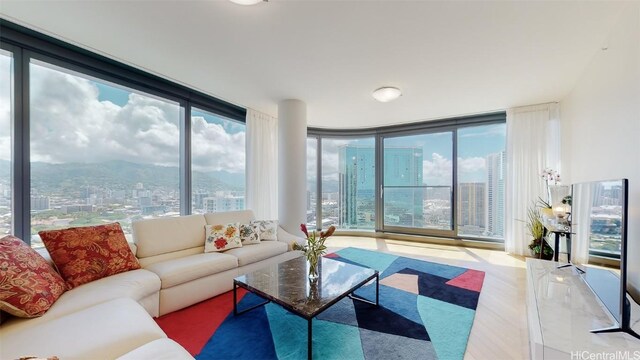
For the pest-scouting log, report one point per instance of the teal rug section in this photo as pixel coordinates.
(291, 339)
(448, 326)
(371, 259)
(426, 312)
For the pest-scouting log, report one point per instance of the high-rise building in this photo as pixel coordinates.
(495, 193)
(404, 196)
(223, 201)
(40, 203)
(402, 167)
(356, 191)
(472, 208)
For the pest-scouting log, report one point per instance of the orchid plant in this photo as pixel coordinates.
(550, 177)
(314, 247)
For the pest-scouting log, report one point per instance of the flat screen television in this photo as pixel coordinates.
(599, 223)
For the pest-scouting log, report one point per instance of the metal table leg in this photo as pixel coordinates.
(309, 339)
(358, 298)
(235, 302)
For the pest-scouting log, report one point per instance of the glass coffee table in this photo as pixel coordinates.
(287, 284)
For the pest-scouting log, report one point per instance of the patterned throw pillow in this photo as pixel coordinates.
(222, 237)
(28, 283)
(249, 234)
(85, 254)
(268, 229)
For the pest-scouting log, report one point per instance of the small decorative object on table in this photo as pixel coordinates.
(314, 248)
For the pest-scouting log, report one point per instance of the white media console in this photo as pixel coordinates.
(561, 311)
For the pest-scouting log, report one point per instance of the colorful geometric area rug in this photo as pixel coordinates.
(426, 312)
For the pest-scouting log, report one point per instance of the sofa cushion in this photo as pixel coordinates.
(165, 235)
(249, 234)
(161, 349)
(135, 285)
(242, 216)
(268, 229)
(29, 285)
(181, 270)
(256, 252)
(104, 331)
(222, 237)
(85, 254)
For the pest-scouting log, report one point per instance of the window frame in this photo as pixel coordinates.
(26, 44)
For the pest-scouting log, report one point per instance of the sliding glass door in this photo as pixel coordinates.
(417, 183)
(6, 141)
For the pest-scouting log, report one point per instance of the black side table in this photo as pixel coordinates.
(559, 230)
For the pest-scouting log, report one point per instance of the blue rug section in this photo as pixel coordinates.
(433, 324)
(231, 338)
(404, 303)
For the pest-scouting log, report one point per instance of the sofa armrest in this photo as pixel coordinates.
(288, 238)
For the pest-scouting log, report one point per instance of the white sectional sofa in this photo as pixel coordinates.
(112, 317)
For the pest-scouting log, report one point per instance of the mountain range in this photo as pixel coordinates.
(120, 175)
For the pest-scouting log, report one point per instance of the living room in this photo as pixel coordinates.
(427, 133)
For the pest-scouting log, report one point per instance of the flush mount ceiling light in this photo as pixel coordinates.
(386, 93)
(247, 2)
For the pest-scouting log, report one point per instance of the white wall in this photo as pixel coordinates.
(601, 123)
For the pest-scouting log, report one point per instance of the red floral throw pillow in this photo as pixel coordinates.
(85, 254)
(28, 283)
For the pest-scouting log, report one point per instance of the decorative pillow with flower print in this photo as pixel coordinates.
(85, 254)
(29, 285)
(249, 234)
(222, 237)
(268, 229)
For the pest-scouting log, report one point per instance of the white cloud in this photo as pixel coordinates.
(330, 158)
(70, 124)
(437, 170)
(312, 157)
(472, 164)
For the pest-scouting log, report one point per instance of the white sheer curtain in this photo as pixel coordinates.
(533, 143)
(262, 165)
(581, 221)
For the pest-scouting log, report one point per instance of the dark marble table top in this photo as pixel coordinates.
(288, 284)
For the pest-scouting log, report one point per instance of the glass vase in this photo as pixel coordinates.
(313, 268)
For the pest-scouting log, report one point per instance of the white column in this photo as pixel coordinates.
(292, 165)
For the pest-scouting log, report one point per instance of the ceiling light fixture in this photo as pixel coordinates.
(247, 2)
(386, 93)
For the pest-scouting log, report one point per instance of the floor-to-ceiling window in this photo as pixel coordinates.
(481, 174)
(348, 183)
(6, 116)
(312, 181)
(85, 140)
(417, 182)
(442, 178)
(100, 152)
(218, 162)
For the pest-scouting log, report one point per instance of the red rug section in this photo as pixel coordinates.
(470, 280)
(192, 327)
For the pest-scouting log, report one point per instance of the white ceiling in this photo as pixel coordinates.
(449, 58)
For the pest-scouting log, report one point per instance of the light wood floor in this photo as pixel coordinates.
(500, 326)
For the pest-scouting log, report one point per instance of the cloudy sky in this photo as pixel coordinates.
(78, 119)
(474, 144)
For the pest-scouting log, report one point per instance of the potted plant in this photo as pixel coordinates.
(536, 230)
